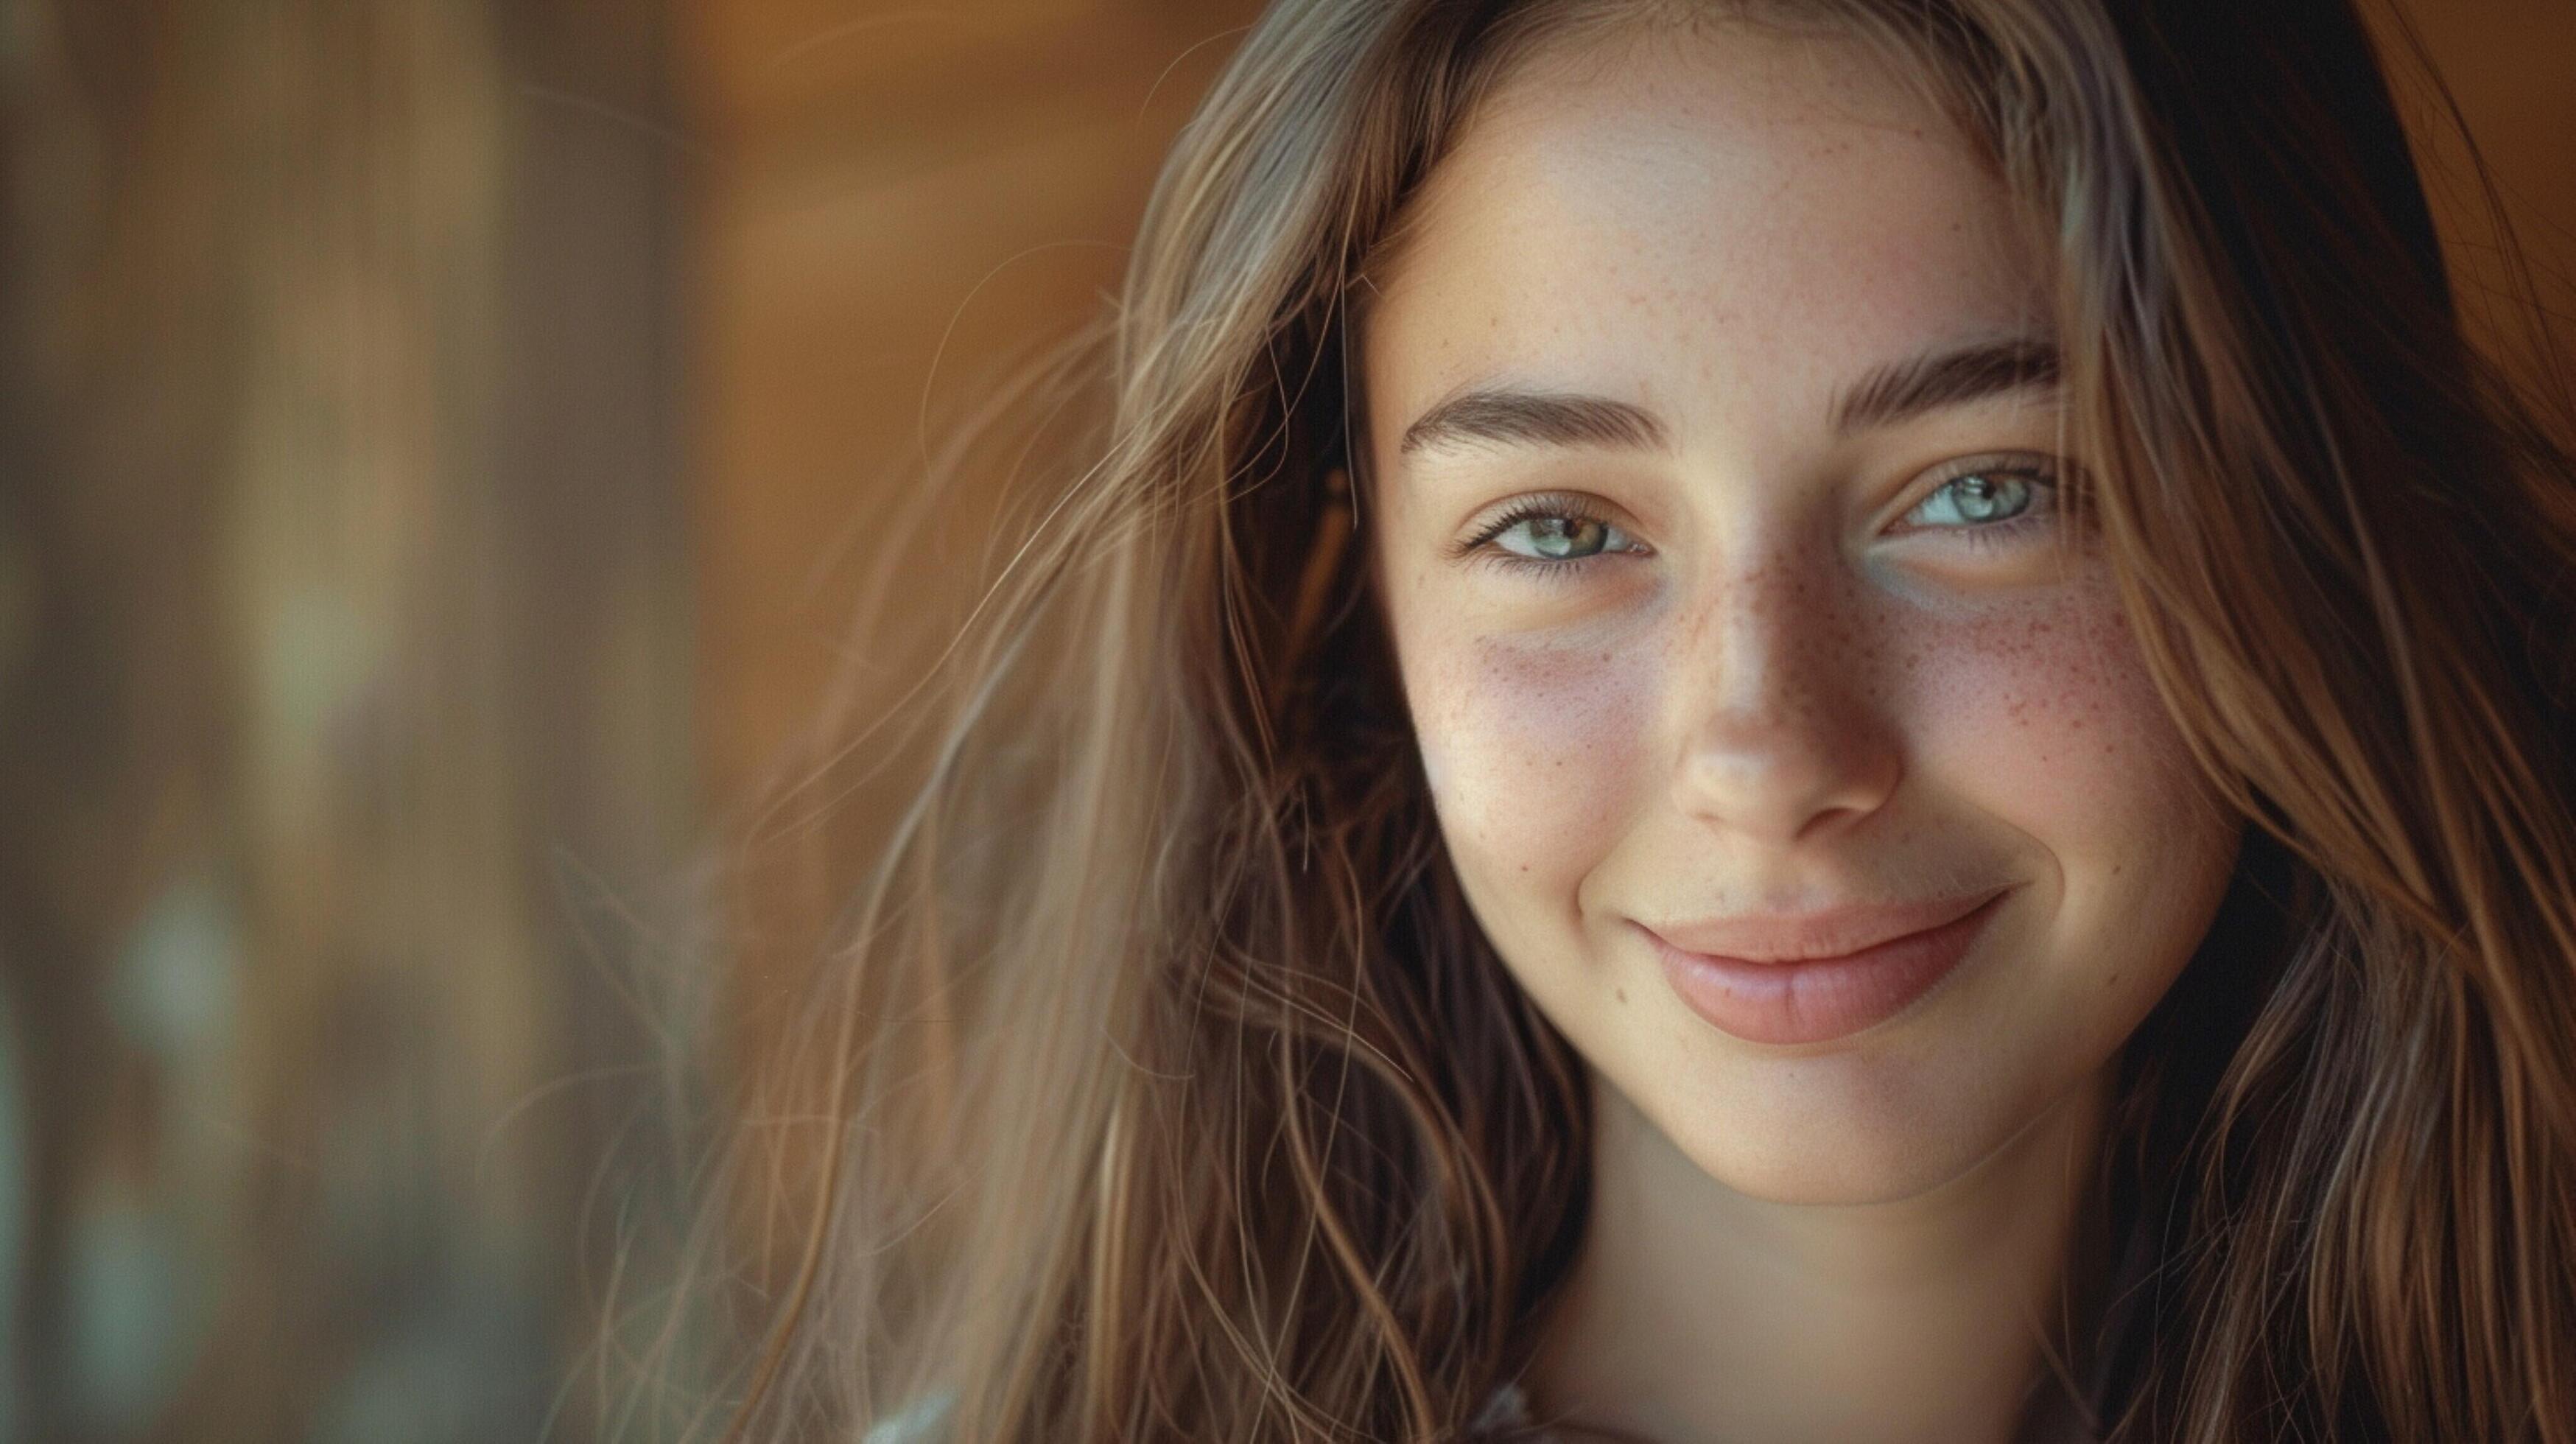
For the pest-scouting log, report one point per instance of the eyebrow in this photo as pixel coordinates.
(1906, 389)
(1518, 416)
(1515, 416)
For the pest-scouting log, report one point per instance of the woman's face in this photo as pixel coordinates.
(1714, 456)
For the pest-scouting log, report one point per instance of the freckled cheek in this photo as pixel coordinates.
(2044, 714)
(1535, 753)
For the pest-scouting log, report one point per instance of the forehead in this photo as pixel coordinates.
(1680, 216)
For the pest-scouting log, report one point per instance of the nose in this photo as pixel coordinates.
(1781, 740)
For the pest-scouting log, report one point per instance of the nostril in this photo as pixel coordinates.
(1786, 768)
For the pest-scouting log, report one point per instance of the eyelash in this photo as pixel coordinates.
(1480, 550)
(2046, 481)
(2042, 513)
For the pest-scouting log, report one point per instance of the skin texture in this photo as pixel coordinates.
(1789, 680)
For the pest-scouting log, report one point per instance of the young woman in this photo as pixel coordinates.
(1828, 721)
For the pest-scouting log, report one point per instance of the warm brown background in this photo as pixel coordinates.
(439, 453)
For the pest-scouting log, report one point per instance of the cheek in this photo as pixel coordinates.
(2044, 717)
(2045, 706)
(1534, 751)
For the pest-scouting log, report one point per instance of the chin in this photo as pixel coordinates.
(1843, 1129)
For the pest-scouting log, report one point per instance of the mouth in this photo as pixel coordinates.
(1804, 998)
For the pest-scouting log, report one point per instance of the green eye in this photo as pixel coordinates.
(1554, 536)
(1557, 537)
(1977, 498)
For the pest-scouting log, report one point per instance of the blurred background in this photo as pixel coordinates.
(438, 450)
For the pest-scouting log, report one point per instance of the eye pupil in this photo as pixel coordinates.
(1981, 498)
(1560, 537)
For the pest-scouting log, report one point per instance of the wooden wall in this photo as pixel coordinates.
(897, 202)
(898, 197)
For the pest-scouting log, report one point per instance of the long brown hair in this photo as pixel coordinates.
(1174, 1093)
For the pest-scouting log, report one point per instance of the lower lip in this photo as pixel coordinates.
(1820, 999)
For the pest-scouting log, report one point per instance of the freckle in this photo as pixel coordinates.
(1622, 992)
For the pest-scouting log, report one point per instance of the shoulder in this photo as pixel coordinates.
(925, 1421)
(1506, 1419)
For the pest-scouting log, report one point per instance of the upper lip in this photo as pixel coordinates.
(1805, 937)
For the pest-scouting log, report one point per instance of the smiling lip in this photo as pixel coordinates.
(1822, 976)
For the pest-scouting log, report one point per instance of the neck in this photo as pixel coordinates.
(1696, 1313)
